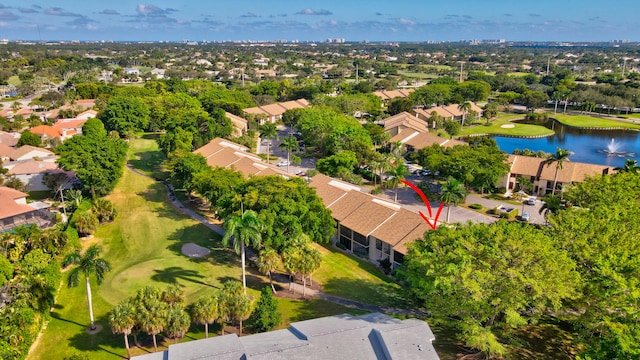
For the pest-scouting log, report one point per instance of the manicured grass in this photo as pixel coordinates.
(14, 80)
(144, 248)
(495, 128)
(145, 155)
(355, 279)
(631, 116)
(593, 122)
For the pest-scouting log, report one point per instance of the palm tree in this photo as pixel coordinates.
(290, 144)
(178, 322)
(86, 223)
(560, 157)
(122, 320)
(234, 304)
(245, 231)
(268, 131)
(88, 264)
(465, 107)
(396, 173)
(310, 260)
(268, 262)
(453, 192)
(205, 312)
(152, 315)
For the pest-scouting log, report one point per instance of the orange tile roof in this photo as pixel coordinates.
(47, 130)
(69, 124)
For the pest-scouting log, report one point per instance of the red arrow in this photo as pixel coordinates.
(427, 204)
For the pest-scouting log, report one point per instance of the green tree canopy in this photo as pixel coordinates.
(97, 161)
(489, 276)
(29, 138)
(280, 204)
(125, 115)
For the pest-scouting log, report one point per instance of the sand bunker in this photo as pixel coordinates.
(195, 251)
(508, 126)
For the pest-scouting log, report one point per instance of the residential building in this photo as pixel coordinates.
(14, 210)
(9, 139)
(27, 152)
(240, 124)
(449, 112)
(404, 120)
(542, 176)
(416, 140)
(273, 112)
(364, 337)
(371, 227)
(388, 95)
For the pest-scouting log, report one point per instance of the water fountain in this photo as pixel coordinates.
(613, 149)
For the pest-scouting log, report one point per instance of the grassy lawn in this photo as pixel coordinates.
(14, 80)
(352, 278)
(495, 127)
(593, 122)
(631, 116)
(143, 247)
(145, 155)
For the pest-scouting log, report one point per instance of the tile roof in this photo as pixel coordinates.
(8, 205)
(570, 172)
(368, 217)
(47, 130)
(24, 150)
(407, 120)
(392, 232)
(6, 150)
(69, 123)
(9, 139)
(27, 167)
(392, 94)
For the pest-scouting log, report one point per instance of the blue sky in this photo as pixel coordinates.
(354, 20)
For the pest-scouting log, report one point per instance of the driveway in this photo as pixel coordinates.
(278, 155)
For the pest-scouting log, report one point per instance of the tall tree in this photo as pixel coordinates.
(268, 131)
(151, 311)
(97, 160)
(205, 311)
(89, 264)
(396, 174)
(268, 262)
(178, 322)
(243, 230)
(487, 277)
(122, 320)
(235, 305)
(559, 158)
(289, 144)
(465, 107)
(184, 168)
(452, 193)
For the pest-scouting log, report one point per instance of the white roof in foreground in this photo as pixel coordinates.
(371, 336)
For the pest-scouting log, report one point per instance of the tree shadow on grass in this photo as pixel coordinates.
(203, 236)
(93, 343)
(172, 274)
(381, 294)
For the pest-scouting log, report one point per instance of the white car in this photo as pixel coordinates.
(531, 200)
(282, 163)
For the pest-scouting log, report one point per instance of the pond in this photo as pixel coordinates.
(588, 146)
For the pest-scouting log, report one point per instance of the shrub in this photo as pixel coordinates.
(376, 191)
(104, 210)
(86, 223)
(341, 246)
(266, 316)
(475, 206)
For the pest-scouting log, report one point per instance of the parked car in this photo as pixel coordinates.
(282, 163)
(525, 217)
(301, 173)
(531, 200)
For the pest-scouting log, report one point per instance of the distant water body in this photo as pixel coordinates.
(586, 145)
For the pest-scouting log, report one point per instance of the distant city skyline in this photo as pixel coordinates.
(354, 20)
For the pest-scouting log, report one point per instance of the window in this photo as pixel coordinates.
(378, 244)
(360, 239)
(398, 257)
